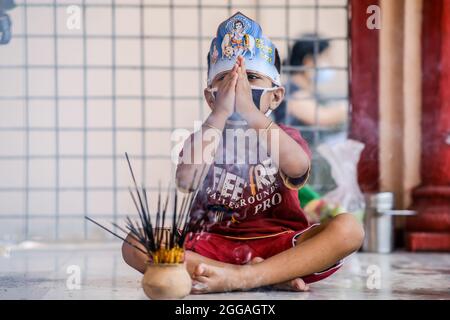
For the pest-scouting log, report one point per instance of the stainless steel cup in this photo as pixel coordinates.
(379, 222)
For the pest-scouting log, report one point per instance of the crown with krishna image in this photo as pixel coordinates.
(241, 36)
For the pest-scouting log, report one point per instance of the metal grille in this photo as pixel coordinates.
(53, 170)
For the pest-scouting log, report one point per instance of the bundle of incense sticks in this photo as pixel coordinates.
(162, 244)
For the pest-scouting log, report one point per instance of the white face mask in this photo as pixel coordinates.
(257, 93)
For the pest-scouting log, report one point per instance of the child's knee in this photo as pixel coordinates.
(349, 229)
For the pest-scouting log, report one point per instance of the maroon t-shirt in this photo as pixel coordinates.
(255, 200)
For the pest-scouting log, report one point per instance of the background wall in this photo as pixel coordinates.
(73, 101)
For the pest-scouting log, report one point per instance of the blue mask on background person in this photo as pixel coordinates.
(325, 75)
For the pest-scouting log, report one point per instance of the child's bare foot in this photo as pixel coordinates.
(207, 278)
(293, 285)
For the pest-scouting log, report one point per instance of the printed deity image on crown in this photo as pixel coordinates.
(236, 40)
(239, 35)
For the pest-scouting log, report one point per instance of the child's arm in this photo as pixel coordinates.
(291, 159)
(194, 161)
(199, 150)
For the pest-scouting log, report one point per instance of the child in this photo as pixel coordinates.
(255, 231)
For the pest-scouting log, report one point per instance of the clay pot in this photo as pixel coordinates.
(166, 281)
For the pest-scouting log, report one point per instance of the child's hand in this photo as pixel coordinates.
(244, 100)
(226, 93)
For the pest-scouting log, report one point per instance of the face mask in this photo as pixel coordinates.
(325, 75)
(257, 93)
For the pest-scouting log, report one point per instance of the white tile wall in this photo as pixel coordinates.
(41, 113)
(71, 113)
(99, 113)
(12, 113)
(71, 173)
(61, 152)
(12, 174)
(71, 143)
(42, 143)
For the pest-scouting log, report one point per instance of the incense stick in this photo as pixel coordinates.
(114, 234)
(153, 236)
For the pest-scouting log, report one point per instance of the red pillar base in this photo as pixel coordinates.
(428, 241)
(430, 229)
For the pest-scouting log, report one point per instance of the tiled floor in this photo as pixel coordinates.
(47, 273)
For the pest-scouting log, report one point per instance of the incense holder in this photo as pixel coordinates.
(164, 281)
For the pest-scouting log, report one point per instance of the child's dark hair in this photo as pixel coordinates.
(277, 61)
(304, 47)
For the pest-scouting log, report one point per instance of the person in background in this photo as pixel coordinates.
(305, 73)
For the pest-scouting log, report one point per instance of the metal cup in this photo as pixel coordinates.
(379, 222)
